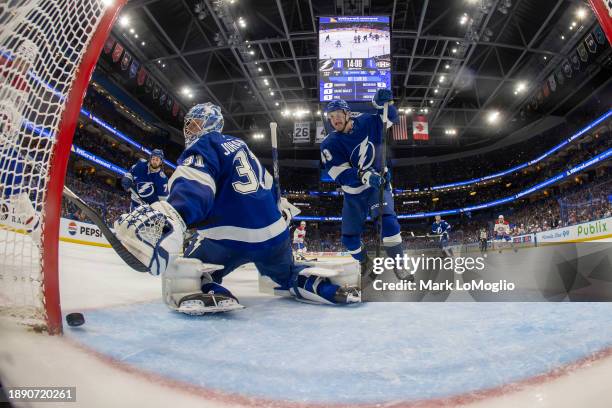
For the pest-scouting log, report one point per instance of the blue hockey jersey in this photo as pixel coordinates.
(222, 189)
(345, 154)
(11, 172)
(152, 186)
(440, 228)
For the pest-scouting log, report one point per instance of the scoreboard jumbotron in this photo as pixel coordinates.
(354, 57)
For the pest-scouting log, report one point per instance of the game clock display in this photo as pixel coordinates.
(354, 57)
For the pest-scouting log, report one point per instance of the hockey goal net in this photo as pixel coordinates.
(48, 49)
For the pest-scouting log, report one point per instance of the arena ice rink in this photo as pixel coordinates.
(132, 351)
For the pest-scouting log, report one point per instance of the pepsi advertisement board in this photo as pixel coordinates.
(354, 57)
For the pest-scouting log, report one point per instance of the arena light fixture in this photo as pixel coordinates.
(581, 13)
(185, 90)
(124, 21)
(143, 43)
(259, 69)
(447, 66)
(131, 31)
(442, 79)
(276, 104)
(463, 19)
(454, 50)
(252, 52)
(520, 87)
(493, 117)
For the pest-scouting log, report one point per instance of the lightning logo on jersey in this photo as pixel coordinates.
(363, 154)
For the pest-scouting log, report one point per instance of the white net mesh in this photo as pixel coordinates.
(42, 43)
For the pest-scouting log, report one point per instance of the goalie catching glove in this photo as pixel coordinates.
(153, 234)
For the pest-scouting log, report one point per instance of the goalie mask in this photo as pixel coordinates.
(200, 120)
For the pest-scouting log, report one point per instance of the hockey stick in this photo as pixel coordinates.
(381, 190)
(275, 170)
(114, 242)
(424, 236)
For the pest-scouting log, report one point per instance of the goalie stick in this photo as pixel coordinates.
(114, 242)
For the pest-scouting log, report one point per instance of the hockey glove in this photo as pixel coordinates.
(153, 234)
(127, 183)
(381, 97)
(288, 210)
(371, 178)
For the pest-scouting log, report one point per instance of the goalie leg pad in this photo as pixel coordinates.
(184, 277)
(316, 285)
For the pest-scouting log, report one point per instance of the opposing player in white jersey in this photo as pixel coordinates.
(299, 235)
(221, 189)
(502, 233)
(15, 204)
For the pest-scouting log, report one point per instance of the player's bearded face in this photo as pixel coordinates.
(338, 119)
(155, 162)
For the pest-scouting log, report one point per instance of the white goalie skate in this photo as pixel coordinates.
(199, 304)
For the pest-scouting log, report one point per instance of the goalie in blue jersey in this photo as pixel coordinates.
(352, 156)
(220, 188)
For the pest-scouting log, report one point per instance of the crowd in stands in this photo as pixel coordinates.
(110, 201)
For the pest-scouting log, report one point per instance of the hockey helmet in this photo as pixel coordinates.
(200, 120)
(337, 104)
(157, 153)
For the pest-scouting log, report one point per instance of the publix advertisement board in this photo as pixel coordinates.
(81, 233)
(581, 232)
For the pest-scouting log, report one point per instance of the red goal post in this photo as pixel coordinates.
(48, 50)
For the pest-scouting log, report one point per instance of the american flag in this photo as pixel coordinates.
(400, 129)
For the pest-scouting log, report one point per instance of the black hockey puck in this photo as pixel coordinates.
(75, 319)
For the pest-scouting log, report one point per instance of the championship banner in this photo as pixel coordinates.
(603, 11)
(108, 45)
(420, 129)
(321, 133)
(134, 68)
(117, 52)
(301, 132)
(125, 61)
(142, 75)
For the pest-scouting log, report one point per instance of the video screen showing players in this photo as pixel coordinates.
(354, 57)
